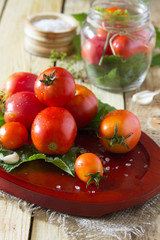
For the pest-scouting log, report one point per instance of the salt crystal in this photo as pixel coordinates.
(146, 166)
(107, 159)
(107, 168)
(128, 164)
(51, 25)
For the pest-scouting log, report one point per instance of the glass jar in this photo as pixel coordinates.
(117, 39)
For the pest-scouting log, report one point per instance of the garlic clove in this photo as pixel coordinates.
(11, 158)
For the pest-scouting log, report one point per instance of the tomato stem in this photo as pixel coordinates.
(94, 177)
(116, 139)
(48, 79)
(104, 50)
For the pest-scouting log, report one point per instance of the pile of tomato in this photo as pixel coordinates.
(122, 45)
(49, 108)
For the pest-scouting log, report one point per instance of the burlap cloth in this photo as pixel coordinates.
(122, 225)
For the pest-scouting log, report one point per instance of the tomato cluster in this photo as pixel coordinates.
(50, 107)
(122, 45)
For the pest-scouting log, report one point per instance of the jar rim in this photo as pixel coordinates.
(140, 12)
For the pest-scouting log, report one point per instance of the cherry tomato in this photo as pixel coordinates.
(18, 82)
(88, 168)
(55, 86)
(119, 131)
(115, 10)
(83, 106)
(13, 135)
(127, 47)
(22, 107)
(93, 48)
(53, 130)
(102, 33)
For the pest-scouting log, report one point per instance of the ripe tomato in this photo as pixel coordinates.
(102, 33)
(127, 47)
(53, 130)
(119, 131)
(13, 135)
(117, 11)
(83, 106)
(89, 169)
(93, 48)
(18, 82)
(55, 86)
(22, 107)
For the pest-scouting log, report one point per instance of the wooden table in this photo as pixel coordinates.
(16, 224)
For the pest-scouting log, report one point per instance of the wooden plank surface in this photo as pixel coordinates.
(9, 228)
(15, 59)
(15, 223)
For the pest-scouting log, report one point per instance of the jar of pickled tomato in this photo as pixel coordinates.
(117, 39)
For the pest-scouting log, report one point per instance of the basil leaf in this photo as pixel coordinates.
(80, 17)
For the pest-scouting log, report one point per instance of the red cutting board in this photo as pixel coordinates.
(131, 179)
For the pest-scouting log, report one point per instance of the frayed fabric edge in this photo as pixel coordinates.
(119, 225)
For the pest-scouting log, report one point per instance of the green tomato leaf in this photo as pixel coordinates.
(155, 60)
(28, 153)
(1, 119)
(157, 37)
(117, 72)
(80, 17)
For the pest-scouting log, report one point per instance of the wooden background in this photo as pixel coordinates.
(16, 224)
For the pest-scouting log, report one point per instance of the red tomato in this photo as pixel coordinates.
(53, 130)
(119, 131)
(13, 135)
(83, 106)
(126, 47)
(117, 10)
(93, 48)
(18, 82)
(88, 168)
(22, 107)
(55, 86)
(102, 33)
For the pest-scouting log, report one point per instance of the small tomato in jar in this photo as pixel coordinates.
(93, 48)
(119, 131)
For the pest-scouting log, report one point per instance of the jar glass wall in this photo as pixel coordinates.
(117, 40)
